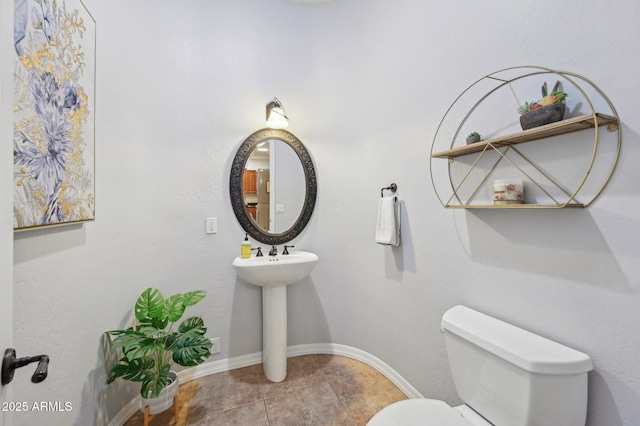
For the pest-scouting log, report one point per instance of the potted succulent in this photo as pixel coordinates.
(154, 342)
(473, 138)
(549, 109)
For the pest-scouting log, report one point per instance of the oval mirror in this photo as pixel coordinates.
(273, 186)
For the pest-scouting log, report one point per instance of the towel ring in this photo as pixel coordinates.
(393, 188)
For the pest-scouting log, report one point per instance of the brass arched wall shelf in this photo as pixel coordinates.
(505, 147)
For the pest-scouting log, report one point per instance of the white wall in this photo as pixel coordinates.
(6, 197)
(179, 86)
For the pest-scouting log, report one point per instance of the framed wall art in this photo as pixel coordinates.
(54, 96)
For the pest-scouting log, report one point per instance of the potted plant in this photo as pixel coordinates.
(154, 342)
(549, 109)
(473, 138)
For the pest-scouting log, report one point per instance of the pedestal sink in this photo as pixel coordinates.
(274, 274)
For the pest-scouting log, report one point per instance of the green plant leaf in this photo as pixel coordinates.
(560, 96)
(137, 370)
(523, 109)
(170, 340)
(191, 349)
(136, 344)
(158, 323)
(143, 347)
(174, 308)
(149, 305)
(125, 336)
(193, 325)
(152, 387)
(151, 331)
(119, 332)
(193, 297)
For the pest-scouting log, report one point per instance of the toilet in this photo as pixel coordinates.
(506, 376)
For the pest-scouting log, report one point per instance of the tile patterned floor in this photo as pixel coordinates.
(318, 390)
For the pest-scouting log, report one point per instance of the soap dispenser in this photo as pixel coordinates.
(245, 253)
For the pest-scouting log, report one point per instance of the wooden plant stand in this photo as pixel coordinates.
(175, 408)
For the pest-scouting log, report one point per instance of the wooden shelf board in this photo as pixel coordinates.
(558, 128)
(514, 206)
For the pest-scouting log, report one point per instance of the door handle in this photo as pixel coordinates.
(10, 363)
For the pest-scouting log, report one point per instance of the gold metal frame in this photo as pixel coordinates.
(593, 120)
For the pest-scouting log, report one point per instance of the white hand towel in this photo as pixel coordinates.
(388, 227)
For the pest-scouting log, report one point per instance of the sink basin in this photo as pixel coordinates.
(273, 271)
(274, 274)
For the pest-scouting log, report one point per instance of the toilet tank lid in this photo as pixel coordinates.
(526, 350)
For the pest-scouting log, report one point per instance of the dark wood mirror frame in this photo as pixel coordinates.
(235, 186)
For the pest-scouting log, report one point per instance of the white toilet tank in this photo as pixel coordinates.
(513, 377)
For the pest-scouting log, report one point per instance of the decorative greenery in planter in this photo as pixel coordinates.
(549, 109)
(473, 138)
(151, 345)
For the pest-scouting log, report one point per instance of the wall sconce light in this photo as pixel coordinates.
(276, 119)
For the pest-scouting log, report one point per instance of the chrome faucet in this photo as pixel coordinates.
(273, 251)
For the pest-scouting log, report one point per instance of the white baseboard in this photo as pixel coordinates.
(214, 367)
(127, 411)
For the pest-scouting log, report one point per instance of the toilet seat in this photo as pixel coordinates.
(419, 412)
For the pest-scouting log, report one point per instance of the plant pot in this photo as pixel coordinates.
(472, 139)
(541, 116)
(164, 401)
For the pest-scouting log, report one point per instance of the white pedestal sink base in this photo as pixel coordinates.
(274, 332)
(274, 274)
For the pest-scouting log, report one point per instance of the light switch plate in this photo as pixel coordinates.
(212, 225)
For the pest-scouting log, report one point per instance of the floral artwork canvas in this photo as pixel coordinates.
(53, 143)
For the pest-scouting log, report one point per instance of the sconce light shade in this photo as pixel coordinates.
(276, 119)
